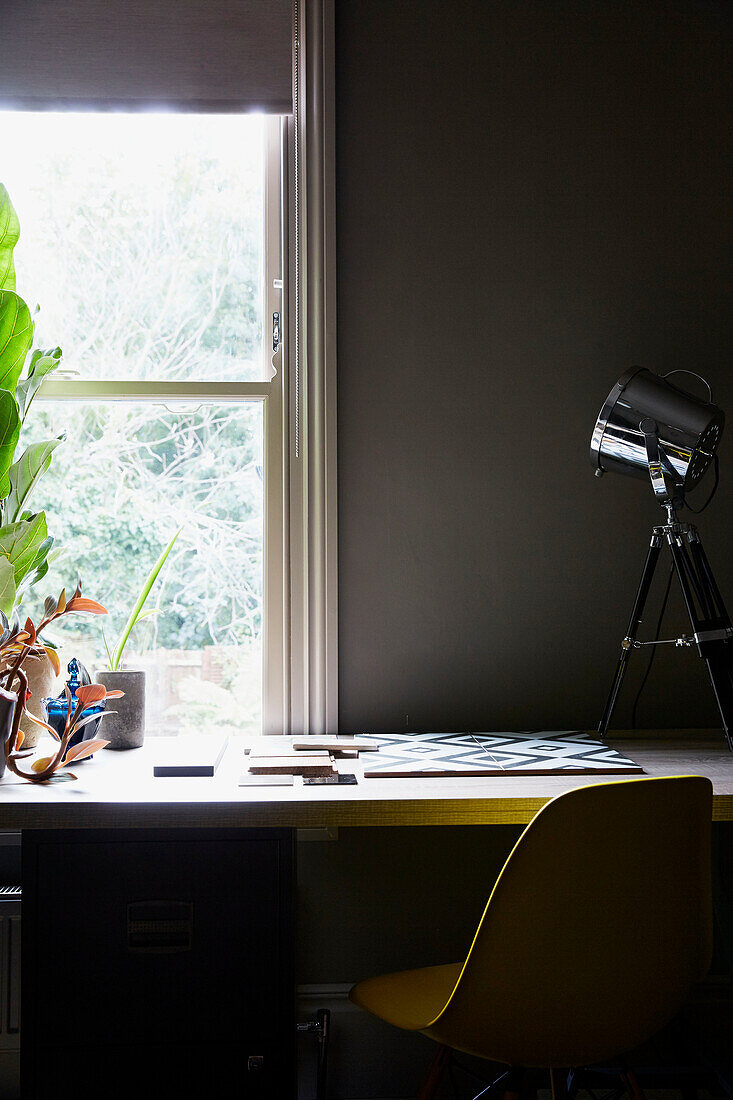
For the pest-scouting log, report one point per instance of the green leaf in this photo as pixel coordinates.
(9, 431)
(21, 542)
(9, 233)
(30, 579)
(37, 569)
(149, 613)
(137, 609)
(25, 474)
(16, 333)
(54, 555)
(41, 363)
(106, 648)
(43, 550)
(7, 586)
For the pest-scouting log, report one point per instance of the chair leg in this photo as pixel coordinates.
(514, 1084)
(631, 1084)
(572, 1086)
(436, 1072)
(559, 1083)
(508, 1079)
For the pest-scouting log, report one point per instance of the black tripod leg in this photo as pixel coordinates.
(703, 565)
(719, 671)
(698, 580)
(634, 622)
(717, 652)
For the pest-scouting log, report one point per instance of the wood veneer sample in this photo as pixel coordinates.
(276, 747)
(334, 744)
(293, 765)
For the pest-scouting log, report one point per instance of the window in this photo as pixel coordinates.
(197, 392)
(152, 244)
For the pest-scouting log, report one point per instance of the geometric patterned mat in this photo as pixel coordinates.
(446, 754)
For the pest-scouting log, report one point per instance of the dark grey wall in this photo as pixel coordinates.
(530, 199)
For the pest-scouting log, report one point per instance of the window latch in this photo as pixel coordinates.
(276, 335)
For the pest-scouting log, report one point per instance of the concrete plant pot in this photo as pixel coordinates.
(125, 729)
(42, 683)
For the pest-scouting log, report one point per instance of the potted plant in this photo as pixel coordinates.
(25, 545)
(126, 728)
(17, 646)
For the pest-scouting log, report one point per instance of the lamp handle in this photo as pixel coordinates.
(650, 431)
(681, 370)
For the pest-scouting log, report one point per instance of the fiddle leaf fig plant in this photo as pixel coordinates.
(9, 233)
(40, 363)
(16, 334)
(25, 474)
(25, 544)
(9, 432)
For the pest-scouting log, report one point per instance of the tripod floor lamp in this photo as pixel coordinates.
(650, 428)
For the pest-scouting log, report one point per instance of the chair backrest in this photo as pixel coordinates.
(596, 929)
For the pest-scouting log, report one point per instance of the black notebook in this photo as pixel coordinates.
(190, 756)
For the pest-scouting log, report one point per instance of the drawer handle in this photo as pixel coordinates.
(160, 926)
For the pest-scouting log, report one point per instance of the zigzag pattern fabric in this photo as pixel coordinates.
(446, 754)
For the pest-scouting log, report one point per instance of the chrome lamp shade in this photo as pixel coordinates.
(650, 428)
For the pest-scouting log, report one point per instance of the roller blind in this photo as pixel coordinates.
(203, 55)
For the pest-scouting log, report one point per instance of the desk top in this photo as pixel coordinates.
(117, 789)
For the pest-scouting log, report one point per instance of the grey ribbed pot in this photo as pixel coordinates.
(126, 728)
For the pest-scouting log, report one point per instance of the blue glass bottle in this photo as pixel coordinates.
(57, 709)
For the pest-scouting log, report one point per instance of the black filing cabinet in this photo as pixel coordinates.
(158, 963)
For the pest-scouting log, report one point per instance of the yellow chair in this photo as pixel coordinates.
(595, 931)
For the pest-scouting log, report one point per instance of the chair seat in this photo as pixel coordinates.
(593, 935)
(410, 999)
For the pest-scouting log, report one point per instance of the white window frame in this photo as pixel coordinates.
(311, 479)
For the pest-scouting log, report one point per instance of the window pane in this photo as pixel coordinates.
(127, 478)
(142, 241)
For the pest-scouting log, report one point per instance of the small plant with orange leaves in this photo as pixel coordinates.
(19, 644)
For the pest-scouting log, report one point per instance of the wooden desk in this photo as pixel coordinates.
(117, 789)
(117, 793)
